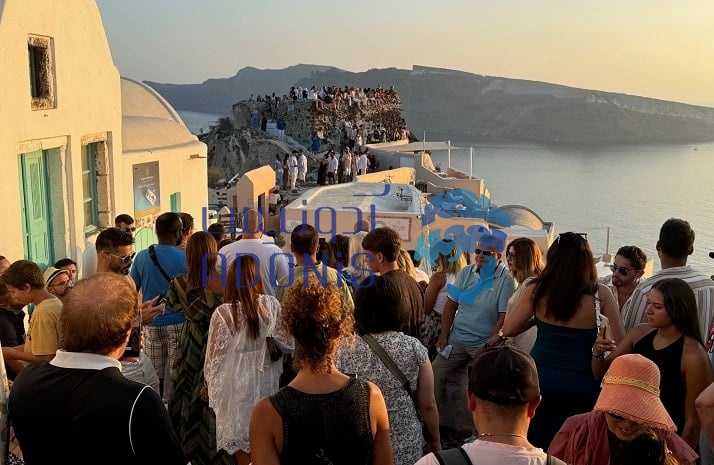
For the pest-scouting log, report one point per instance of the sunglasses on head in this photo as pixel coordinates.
(566, 235)
(484, 252)
(620, 269)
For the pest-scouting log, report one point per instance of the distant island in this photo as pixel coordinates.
(462, 106)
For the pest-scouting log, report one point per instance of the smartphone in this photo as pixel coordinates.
(133, 347)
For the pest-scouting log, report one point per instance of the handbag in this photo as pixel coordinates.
(273, 349)
(392, 366)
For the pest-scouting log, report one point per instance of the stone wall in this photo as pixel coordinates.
(303, 117)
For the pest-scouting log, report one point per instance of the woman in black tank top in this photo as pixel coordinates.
(672, 340)
(323, 416)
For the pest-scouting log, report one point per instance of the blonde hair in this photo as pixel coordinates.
(448, 267)
(404, 261)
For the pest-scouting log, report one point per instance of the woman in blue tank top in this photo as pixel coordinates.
(564, 302)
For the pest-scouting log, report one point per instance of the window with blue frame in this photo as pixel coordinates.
(89, 187)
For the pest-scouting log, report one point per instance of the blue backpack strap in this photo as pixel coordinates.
(455, 456)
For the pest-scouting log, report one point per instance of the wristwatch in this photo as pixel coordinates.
(500, 334)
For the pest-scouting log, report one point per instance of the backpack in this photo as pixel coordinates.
(458, 456)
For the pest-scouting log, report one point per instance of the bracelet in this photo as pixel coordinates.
(597, 357)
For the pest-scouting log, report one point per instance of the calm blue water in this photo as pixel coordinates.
(632, 189)
(195, 121)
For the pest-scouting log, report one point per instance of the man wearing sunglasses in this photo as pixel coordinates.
(480, 294)
(627, 269)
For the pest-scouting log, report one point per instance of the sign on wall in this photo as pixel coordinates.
(147, 199)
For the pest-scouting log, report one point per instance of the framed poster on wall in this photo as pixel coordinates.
(147, 193)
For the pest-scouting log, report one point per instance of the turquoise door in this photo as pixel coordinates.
(37, 228)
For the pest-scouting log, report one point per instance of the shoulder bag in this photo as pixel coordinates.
(394, 369)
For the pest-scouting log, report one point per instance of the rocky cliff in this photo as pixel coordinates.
(235, 147)
(464, 106)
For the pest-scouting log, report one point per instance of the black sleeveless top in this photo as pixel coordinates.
(673, 391)
(325, 429)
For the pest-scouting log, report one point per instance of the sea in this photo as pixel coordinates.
(197, 122)
(630, 190)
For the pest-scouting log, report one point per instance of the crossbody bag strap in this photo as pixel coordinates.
(455, 456)
(154, 258)
(389, 363)
(180, 285)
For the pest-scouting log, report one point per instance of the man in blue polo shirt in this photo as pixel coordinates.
(480, 293)
(152, 272)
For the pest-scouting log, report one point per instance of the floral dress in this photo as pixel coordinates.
(194, 422)
(408, 353)
(238, 370)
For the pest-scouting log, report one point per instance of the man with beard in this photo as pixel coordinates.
(627, 269)
(115, 251)
(57, 282)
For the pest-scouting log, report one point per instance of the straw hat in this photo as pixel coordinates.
(51, 273)
(630, 389)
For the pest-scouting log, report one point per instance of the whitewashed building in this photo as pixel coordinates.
(78, 143)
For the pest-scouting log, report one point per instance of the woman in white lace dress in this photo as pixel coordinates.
(238, 369)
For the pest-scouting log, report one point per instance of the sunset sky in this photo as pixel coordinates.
(652, 48)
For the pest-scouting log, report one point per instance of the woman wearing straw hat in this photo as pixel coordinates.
(628, 405)
(672, 340)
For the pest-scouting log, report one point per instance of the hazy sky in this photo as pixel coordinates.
(653, 48)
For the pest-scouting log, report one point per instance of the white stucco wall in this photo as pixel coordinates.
(88, 105)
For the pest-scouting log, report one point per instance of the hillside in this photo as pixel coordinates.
(219, 95)
(464, 106)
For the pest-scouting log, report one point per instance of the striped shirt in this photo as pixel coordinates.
(633, 312)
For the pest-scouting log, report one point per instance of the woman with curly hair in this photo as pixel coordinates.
(238, 368)
(323, 416)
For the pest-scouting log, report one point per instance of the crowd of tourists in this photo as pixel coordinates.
(203, 349)
(336, 95)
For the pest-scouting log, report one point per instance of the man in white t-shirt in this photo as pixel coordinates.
(293, 170)
(363, 163)
(346, 163)
(331, 168)
(302, 168)
(503, 395)
(274, 264)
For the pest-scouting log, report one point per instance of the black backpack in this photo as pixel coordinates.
(458, 456)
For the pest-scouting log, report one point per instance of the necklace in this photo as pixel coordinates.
(513, 435)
